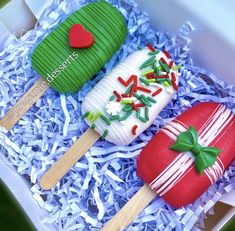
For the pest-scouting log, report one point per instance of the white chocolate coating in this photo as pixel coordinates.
(120, 132)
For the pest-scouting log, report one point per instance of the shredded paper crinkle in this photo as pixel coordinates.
(105, 178)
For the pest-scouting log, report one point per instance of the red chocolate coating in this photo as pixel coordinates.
(157, 156)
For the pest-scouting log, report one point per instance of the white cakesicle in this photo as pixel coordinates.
(98, 100)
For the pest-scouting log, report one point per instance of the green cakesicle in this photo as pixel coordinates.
(68, 69)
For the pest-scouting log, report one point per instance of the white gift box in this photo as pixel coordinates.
(27, 11)
(24, 18)
(213, 49)
(5, 35)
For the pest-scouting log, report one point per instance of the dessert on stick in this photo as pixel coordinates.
(72, 54)
(122, 105)
(129, 98)
(185, 158)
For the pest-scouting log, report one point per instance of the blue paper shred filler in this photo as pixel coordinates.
(105, 178)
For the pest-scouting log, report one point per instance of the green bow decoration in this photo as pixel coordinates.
(204, 156)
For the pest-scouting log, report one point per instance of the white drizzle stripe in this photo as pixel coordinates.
(172, 129)
(224, 121)
(216, 116)
(184, 162)
(182, 124)
(221, 135)
(215, 171)
(169, 134)
(178, 127)
(179, 170)
(175, 129)
(168, 167)
(187, 165)
(175, 166)
(220, 161)
(209, 176)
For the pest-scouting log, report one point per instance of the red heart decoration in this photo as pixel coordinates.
(79, 37)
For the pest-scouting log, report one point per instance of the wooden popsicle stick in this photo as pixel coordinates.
(130, 210)
(62, 166)
(24, 104)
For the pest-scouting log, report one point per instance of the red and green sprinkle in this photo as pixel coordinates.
(105, 134)
(85, 115)
(114, 117)
(153, 71)
(112, 98)
(134, 128)
(117, 95)
(105, 119)
(125, 116)
(150, 47)
(157, 92)
(167, 54)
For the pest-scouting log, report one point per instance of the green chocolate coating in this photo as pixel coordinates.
(3, 3)
(68, 69)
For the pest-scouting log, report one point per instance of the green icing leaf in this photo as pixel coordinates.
(204, 156)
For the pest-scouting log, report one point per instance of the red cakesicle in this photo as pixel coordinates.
(172, 174)
(205, 134)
